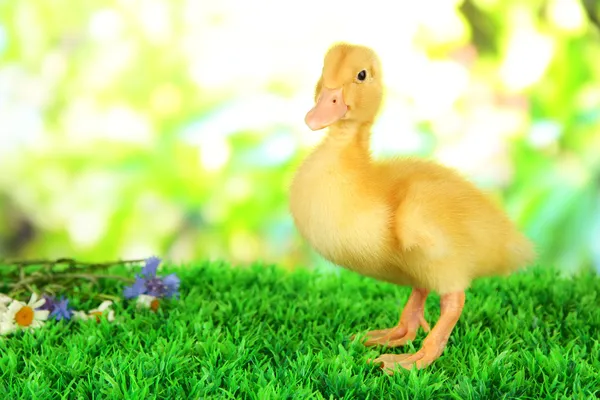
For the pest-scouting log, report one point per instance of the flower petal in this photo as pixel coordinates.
(172, 280)
(50, 303)
(172, 283)
(138, 288)
(38, 304)
(7, 327)
(144, 300)
(149, 270)
(102, 307)
(80, 315)
(15, 306)
(41, 315)
(33, 299)
(4, 299)
(36, 324)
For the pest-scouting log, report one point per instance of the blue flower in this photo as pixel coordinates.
(138, 287)
(171, 282)
(149, 270)
(58, 309)
(62, 310)
(150, 284)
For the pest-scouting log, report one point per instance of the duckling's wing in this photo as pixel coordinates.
(421, 222)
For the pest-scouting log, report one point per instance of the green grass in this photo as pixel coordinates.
(262, 333)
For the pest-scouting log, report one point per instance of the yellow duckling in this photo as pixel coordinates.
(406, 221)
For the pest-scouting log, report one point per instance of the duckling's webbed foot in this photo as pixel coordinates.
(411, 319)
(434, 344)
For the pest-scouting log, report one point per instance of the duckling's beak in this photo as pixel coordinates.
(329, 109)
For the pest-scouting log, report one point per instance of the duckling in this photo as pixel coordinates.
(404, 220)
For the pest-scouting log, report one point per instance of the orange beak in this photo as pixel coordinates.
(329, 109)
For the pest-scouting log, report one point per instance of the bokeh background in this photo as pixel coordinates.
(173, 127)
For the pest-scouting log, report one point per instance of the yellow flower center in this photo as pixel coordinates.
(24, 317)
(154, 305)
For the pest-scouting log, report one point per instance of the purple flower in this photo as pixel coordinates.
(50, 303)
(62, 310)
(152, 285)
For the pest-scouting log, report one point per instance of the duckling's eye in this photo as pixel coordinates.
(362, 75)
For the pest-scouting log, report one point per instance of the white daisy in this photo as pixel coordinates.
(5, 327)
(4, 301)
(97, 312)
(146, 301)
(19, 315)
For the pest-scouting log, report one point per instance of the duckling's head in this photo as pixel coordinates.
(350, 88)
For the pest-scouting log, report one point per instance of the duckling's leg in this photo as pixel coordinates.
(410, 319)
(434, 344)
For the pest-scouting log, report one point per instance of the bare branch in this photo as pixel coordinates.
(51, 278)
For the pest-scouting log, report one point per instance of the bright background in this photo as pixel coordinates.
(173, 127)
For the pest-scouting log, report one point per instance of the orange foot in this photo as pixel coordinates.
(410, 320)
(434, 344)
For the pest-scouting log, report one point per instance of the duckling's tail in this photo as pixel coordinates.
(521, 252)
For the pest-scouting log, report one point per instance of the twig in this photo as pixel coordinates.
(95, 277)
(48, 277)
(69, 261)
(90, 277)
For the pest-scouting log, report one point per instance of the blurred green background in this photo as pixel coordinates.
(173, 127)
